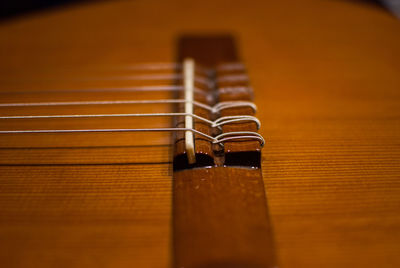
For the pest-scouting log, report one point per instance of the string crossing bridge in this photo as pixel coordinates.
(212, 116)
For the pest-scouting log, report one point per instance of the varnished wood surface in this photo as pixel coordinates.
(220, 219)
(219, 211)
(326, 79)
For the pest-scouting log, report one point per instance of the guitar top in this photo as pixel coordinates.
(325, 76)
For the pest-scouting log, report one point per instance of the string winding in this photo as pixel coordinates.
(200, 75)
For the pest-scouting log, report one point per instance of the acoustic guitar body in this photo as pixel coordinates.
(324, 191)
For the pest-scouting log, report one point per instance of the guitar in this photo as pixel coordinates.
(327, 101)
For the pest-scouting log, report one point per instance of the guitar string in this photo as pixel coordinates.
(229, 66)
(205, 81)
(140, 89)
(214, 109)
(200, 79)
(221, 138)
(143, 89)
(216, 123)
(219, 122)
(176, 66)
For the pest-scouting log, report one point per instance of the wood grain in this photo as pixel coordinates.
(220, 219)
(220, 216)
(326, 78)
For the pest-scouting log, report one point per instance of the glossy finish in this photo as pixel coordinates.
(220, 216)
(325, 76)
(220, 219)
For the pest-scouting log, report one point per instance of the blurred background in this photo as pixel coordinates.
(13, 8)
(326, 79)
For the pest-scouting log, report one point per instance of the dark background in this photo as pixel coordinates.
(12, 8)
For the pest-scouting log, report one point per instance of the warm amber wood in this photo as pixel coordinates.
(220, 219)
(216, 53)
(220, 216)
(326, 79)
